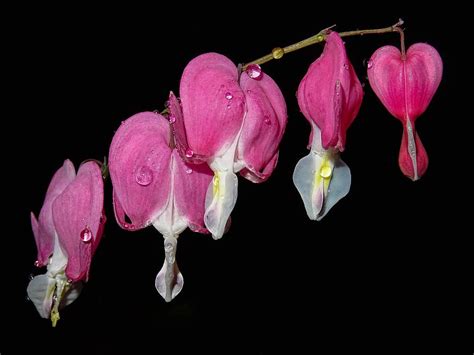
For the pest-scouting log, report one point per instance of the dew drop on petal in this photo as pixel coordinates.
(37, 263)
(144, 176)
(189, 171)
(267, 120)
(126, 225)
(346, 66)
(86, 235)
(325, 172)
(254, 71)
(228, 95)
(189, 153)
(370, 64)
(172, 118)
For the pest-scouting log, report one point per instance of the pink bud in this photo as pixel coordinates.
(406, 86)
(153, 185)
(330, 94)
(233, 125)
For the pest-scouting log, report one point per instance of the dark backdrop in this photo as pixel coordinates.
(372, 270)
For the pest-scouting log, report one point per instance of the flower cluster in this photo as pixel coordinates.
(178, 169)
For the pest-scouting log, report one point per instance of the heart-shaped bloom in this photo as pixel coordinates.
(154, 186)
(406, 85)
(232, 121)
(67, 233)
(329, 96)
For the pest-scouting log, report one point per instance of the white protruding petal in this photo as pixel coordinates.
(40, 291)
(338, 187)
(72, 294)
(58, 261)
(169, 281)
(303, 178)
(221, 197)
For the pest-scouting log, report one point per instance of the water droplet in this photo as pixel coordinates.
(228, 106)
(249, 91)
(370, 64)
(37, 263)
(267, 120)
(254, 71)
(126, 225)
(189, 171)
(144, 176)
(346, 66)
(189, 153)
(172, 118)
(325, 172)
(86, 235)
(338, 87)
(228, 96)
(320, 38)
(277, 53)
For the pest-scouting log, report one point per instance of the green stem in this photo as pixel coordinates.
(278, 52)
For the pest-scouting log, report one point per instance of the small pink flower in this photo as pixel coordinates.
(68, 231)
(406, 86)
(154, 186)
(234, 122)
(329, 96)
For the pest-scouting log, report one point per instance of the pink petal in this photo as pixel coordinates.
(190, 185)
(43, 229)
(79, 208)
(213, 104)
(179, 132)
(263, 127)
(405, 87)
(405, 160)
(330, 93)
(140, 169)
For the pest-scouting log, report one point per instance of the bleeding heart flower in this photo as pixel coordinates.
(67, 233)
(234, 122)
(406, 85)
(329, 97)
(152, 185)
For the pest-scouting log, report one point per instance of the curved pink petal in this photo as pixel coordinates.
(405, 87)
(76, 211)
(212, 103)
(263, 127)
(43, 229)
(139, 163)
(190, 186)
(405, 158)
(330, 94)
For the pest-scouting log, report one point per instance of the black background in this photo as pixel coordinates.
(383, 265)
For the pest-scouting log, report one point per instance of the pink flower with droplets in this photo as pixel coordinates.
(154, 186)
(329, 96)
(406, 85)
(67, 233)
(232, 121)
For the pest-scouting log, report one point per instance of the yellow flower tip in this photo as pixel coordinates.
(54, 317)
(215, 183)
